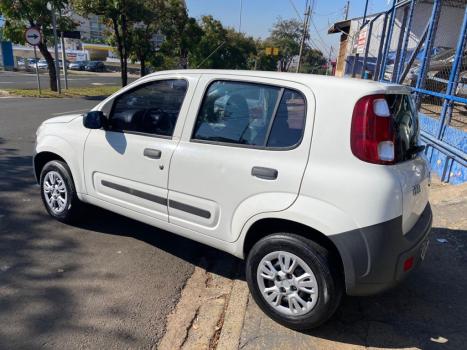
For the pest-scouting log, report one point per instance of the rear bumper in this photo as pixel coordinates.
(374, 256)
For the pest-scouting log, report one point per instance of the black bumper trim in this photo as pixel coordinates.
(373, 256)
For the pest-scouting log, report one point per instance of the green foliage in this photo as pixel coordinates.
(222, 48)
(286, 35)
(203, 43)
(119, 15)
(313, 62)
(182, 34)
(21, 14)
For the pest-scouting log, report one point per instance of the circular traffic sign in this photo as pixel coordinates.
(33, 36)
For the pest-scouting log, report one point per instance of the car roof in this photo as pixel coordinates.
(312, 80)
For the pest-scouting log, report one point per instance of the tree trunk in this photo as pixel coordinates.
(50, 64)
(125, 51)
(142, 71)
(120, 49)
(183, 59)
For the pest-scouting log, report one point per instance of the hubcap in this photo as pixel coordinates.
(287, 283)
(55, 192)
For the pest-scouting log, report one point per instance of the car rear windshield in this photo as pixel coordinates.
(406, 126)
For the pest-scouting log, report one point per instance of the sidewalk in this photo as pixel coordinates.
(427, 311)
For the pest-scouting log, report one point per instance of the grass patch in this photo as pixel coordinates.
(71, 92)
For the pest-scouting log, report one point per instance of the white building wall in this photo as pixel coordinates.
(447, 34)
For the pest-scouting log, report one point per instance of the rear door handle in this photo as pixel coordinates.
(152, 153)
(264, 173)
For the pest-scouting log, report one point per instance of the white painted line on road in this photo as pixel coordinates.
(6, 82)
(98, 84)
(67, 112)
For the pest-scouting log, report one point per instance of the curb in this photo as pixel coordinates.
(234, 317)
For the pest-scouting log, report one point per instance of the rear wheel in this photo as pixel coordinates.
(294, 280)
(58, 191)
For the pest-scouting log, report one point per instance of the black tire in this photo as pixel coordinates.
(72, 206)
(322, 263)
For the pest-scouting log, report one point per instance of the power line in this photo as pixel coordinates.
(295, 9)
(319, 35)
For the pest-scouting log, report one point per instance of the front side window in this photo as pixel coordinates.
(151, 109)
(251, 114)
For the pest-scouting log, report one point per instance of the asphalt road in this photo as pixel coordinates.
(108, 283)
(23, 80)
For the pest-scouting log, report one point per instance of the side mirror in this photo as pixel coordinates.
(94, 120)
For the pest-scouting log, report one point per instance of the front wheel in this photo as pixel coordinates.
(58, 191)
(294, 280)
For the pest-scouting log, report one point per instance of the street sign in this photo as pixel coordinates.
(361, 41)
(157, 40)
(32, 36)
(271, 51)
(72, 34)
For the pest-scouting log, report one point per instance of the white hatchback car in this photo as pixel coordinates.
(318, 182)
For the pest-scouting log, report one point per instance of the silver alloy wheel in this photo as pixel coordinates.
(55, 192)
(287, 283)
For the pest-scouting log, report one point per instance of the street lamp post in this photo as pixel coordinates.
(50, 6)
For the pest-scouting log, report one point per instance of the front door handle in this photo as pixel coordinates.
(152, 153)
(264, 173)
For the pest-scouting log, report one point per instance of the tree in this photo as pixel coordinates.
(263, 60)
(286, 35)
(151, 22)
(20, 14)
(313, 61)
(223, 48)
(120, 16)
(182, 32)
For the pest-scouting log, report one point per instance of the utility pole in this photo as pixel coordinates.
(306, 19)
(347, 6)
(240, 19)
(65, 75)
(329, 60)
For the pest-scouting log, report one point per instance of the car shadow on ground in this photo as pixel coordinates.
(212, 260)
(45, 273)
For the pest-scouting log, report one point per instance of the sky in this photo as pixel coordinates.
(258, 16)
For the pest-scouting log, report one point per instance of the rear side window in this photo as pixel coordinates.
(288, 125)
(406, 126)
(251, 114)
(152, 108)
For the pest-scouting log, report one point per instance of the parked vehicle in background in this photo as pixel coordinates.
(60, 64)
(95, 66)
(30, 61)
(78, 65)
(320, 198)
(42, 64)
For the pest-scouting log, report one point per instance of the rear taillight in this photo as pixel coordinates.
(372, 133)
